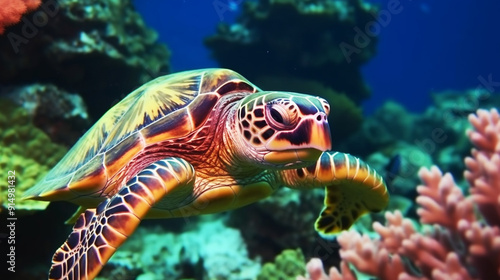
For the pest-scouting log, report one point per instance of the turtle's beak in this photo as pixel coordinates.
(305, 143)
(321, 138)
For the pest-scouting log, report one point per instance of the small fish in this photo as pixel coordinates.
(392, 170)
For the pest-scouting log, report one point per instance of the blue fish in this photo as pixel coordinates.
(392, 170)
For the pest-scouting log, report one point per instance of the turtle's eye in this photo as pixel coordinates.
(281, 114)
(277, 116)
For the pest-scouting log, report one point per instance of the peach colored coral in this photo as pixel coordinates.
(12, 10)
(460, 244)
(483, 168)
(316, 272)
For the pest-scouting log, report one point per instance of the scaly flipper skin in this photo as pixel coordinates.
(352, 188)
(99, 232)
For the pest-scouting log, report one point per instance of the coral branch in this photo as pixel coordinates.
(370, 258)
(441, 201)
(486, 133)
(483, 168)
(316, 272)
(484, 248)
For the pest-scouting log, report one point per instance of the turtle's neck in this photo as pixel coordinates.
(233, 153)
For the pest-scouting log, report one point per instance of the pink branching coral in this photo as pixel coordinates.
(12, 10)
(483, 168)
(462, 243)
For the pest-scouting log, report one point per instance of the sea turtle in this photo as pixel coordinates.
(197, 142)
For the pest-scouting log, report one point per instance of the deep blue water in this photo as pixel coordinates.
(430, 46)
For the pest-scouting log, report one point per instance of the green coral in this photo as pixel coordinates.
(287, 265)
(26, 150)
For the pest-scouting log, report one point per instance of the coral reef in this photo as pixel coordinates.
(200, 253)
(459, 104)
(273, 38)
(461, 244)
(433, 137)
(392, 124)
(286, 265)
(98, 49)
(12, 10)
(26, 150)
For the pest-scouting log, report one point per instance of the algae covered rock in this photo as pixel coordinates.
(27, 151)
(287, 265)
(298, 38)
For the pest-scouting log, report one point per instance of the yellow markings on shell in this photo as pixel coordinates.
(148, 103)
(51, 194)
(213, 78)
(177, 125)
(91, 177)
(123, 153)
(157, 101)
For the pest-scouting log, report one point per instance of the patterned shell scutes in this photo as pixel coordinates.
(153, 102)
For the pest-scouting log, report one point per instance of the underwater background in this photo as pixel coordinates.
(429, 46)
(401, 76)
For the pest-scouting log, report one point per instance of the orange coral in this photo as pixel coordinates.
(12, 10)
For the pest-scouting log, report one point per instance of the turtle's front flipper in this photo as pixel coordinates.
(352, 188)
(99, 232)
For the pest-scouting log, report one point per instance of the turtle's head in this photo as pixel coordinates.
(283, 128)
